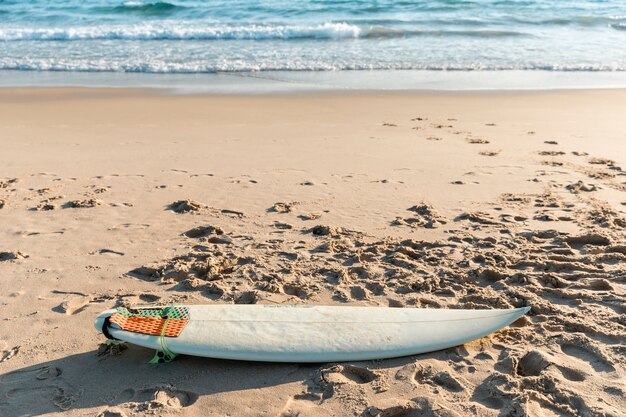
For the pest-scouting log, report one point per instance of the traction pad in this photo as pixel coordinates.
(159, 321)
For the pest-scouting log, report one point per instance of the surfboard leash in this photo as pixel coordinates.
(164, 355)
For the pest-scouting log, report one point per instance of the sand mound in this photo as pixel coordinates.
(186, 206)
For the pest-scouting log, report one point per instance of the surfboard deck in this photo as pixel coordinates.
(295, 333)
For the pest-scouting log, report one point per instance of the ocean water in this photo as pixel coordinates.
(224, 36)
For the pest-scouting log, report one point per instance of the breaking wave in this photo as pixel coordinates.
(178, 31)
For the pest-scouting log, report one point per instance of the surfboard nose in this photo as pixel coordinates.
(99, 322)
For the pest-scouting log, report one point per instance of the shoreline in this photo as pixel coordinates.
(39, 93)
(277, 82)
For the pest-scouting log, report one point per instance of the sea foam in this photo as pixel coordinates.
(174, 30)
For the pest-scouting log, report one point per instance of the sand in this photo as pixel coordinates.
(434, 200)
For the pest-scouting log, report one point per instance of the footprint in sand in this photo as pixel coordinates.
(23, 377)
(19, 388)
(342, 374)
(305, 403)
(174, 398)
(443, 379)
(48, 372)
(406, 373)
(572, 374)
(246, 297)
(587, 354)
(359, 293)
(149, 298)
(58, 396)
(167, 397)
(417, 407)
(297, 290)
(77, 304)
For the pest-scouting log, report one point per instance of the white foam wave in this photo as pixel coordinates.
(210, 31)
(161, 67)
(180, 31)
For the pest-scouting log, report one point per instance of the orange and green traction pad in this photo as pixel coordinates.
(154, 321)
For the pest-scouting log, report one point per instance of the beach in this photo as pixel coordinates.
(405, 199)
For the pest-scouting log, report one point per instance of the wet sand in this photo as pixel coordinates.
(432, 200)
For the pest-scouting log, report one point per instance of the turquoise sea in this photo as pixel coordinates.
(233, 36)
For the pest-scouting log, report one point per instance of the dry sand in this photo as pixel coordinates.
(448, 200)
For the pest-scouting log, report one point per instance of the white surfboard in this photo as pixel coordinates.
(285, 333)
